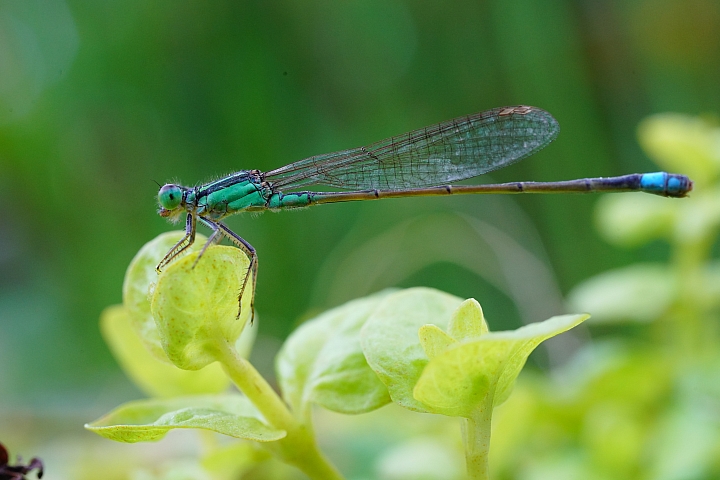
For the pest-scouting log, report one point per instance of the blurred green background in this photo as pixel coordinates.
(99, 100)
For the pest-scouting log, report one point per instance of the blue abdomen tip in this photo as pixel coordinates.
(653, 182)
(666, 184)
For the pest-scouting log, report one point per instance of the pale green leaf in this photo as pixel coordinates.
(390, 338)
(140, 280)
(459, 380)
(434, 341)
(195, 305)
(640, 292)
(630, 219)
(322, 362)
(468, 321)
(150, 420)
(155, 377)
(683, 143)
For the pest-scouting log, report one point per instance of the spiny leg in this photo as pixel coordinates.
(248, 250)
(212, 240)
(182, 245)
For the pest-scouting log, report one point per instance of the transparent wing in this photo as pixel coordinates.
(448, 152)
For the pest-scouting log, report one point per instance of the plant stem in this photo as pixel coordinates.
(298, 448)
(476, 437)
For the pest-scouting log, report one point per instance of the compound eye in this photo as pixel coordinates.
(170, 196)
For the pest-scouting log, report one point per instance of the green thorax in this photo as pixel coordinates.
(238, 192)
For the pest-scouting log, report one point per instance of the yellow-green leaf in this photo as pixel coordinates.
(150, 420)
(195, 305)
(140, 280)
(468, 321)
(434, 341)
(391, 343)
(459, 380)
(157, 378)
(322, 362)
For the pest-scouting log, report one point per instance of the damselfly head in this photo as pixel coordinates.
(171, 199)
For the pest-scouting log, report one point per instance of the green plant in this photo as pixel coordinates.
(178, 337)
(639, 401)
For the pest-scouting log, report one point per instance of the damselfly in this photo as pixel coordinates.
(419, 163)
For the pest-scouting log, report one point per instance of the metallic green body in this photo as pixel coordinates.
(222, 198)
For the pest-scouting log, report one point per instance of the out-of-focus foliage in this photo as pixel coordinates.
(641, 400)
(98, 99)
